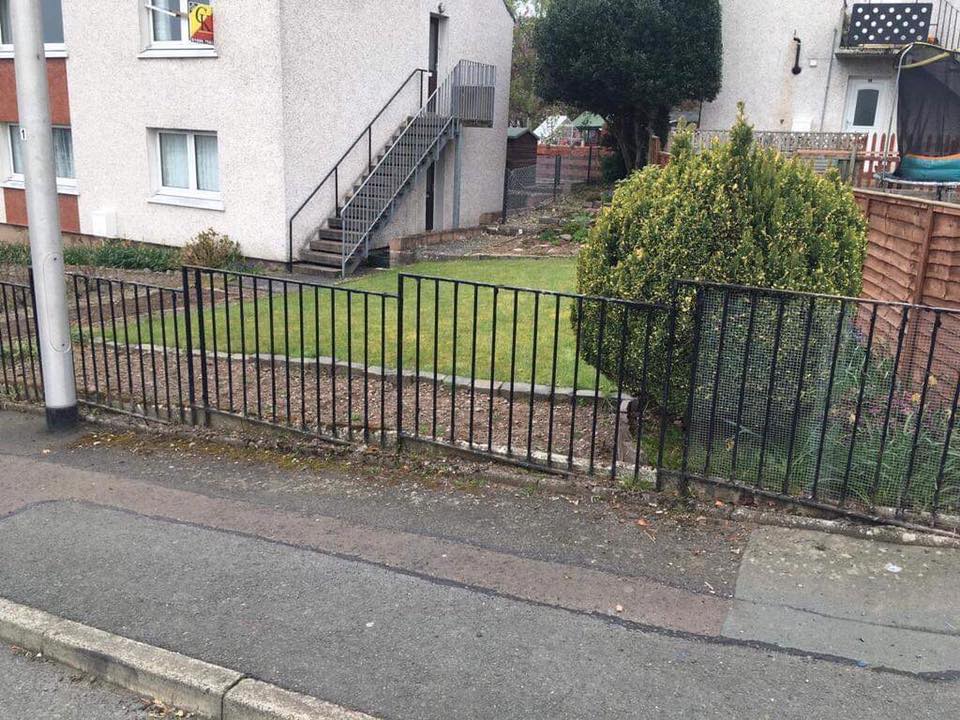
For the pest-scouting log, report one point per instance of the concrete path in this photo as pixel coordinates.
(32, 688)
(408, 601)
(884, 605)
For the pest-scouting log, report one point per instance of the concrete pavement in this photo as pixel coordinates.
(884, 605)
(605, 618)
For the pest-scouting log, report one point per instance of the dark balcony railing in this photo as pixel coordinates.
(881, 25)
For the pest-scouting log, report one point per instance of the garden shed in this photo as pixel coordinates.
(521, 148)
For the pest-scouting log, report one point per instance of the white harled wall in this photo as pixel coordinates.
(292, 85)
(115, 96)
(334, 87)
(758, 56)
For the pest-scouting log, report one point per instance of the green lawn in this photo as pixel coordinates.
(546, 274)
(437, 301)
(355, 319)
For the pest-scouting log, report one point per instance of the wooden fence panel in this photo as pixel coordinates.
(913, 256)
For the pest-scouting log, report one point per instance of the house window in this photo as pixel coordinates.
(6, 26)
(52, 21)
(865, 112)
(168, 22)
(62, 152)
(52, 26)
(167, 30)
(188, 168)
(62, 155)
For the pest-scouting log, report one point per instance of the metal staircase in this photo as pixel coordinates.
(465, 98)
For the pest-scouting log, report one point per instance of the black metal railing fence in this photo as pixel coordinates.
(501, 370)
(841, 402)
(304, 356)
(21, 373)
(836, 402)
(130, 349)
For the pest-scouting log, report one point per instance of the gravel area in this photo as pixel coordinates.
(531, 232)
(349, 404)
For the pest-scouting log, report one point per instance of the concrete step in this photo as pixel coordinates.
(318, 257)
(326, 246)
(309, 268)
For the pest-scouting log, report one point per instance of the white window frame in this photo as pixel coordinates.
(191, 196)
(17, 181)
(184, 25)
(183, 47)
(50, 50)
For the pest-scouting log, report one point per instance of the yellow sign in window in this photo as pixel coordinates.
(201, 22)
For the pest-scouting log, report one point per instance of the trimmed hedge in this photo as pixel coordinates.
(735, 213)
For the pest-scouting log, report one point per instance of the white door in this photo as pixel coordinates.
(868, 105)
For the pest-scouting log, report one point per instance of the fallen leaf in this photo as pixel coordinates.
(642, 523)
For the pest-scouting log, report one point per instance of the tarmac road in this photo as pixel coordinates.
(449, 620)
(32, 688)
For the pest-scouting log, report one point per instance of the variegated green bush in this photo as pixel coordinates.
(734, 213)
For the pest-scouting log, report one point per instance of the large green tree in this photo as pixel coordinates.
(631, 61)
(526, 106)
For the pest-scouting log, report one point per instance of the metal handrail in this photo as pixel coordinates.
(444, 108)
(946, 29)
(335, 170)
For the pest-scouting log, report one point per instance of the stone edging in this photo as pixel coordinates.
(500, 388)
(176, 680)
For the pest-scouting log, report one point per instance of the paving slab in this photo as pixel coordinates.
(890, 605)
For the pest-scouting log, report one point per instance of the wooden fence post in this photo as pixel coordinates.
(915, 334)
(653, 150)
(923, 260)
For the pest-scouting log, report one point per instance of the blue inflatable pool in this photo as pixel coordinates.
(930, 169)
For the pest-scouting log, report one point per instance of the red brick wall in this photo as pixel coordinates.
(15, 202)
(567, 151)
(59, 96)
